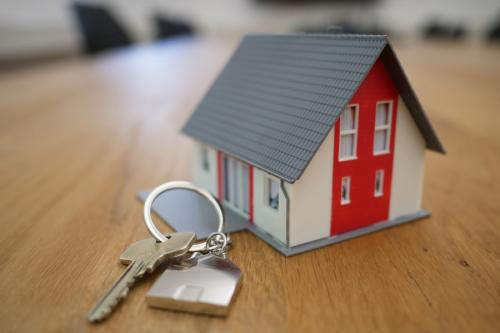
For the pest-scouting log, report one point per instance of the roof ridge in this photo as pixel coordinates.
(319, 34)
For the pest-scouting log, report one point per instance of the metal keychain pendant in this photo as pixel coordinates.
(207, 287)
(205, 282)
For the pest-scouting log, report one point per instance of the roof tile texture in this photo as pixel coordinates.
(279, 96)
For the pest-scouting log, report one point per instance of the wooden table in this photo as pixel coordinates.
(79, 138)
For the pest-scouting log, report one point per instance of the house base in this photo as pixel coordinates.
(186, 210)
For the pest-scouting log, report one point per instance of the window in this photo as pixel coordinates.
(227, 195)
(348, 133)
(273, 193)
(345, 192)
(244, 188)
(236, 184)
(382, 128)
(379, 183)
(205, 164)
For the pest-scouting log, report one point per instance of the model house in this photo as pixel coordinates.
(313, 138)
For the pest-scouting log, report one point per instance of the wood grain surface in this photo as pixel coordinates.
(78, 138)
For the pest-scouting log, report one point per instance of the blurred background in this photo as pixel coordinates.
(93, 96)
(38, 31)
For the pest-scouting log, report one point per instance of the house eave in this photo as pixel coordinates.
(399, 77)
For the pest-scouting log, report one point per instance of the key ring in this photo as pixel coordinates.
(216, 241)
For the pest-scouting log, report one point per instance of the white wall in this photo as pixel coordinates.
(202, 178)
(268, 219)
(311, 197)
(408, 169)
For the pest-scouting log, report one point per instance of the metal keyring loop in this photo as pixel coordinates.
(177, 185)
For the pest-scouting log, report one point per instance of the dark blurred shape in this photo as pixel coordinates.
(315, 1)
(168, 27)
(493, 32)
(99, 29)
(442, 31)
(346, 27)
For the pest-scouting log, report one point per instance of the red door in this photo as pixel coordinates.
(363, 154)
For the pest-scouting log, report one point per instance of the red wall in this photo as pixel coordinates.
(364, 208)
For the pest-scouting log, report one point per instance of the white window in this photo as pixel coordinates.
(382, 128)
(227, 179)
(236, 184)
(348, 133)
(273, 193)
(205, 164)
(345, 191)
(379, 183)
(245, 188)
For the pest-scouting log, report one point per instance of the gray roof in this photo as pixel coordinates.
(278, 97)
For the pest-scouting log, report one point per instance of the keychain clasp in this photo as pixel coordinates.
(216, 243)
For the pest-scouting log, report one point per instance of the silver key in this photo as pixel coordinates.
(141, 257)
(206, 286)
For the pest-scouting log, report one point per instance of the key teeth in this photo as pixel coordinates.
(104, 312)
(124, 293)
(100, 316)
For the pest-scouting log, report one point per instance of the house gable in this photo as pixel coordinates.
(363, 206)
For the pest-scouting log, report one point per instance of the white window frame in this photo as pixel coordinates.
(205, 158)
(267, 192)
(378, 192)
(245, 204)
(345, 201)
(386, 127)
(229, 196)
(348, 132)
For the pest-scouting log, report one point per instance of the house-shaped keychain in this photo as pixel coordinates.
(311, 139)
